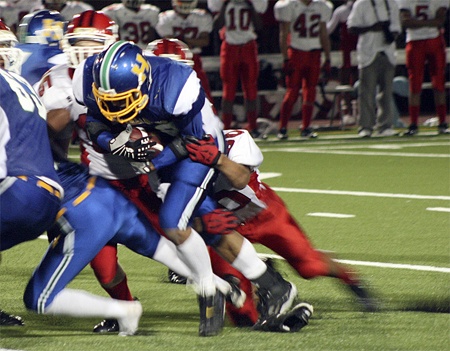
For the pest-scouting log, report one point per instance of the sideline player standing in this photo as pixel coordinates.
(238, 22)
(136, 20)
(303, 37)
(424, 20)
(192, 26)
(67, 9)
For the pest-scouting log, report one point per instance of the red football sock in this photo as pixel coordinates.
(441, 111)
(414, 114)
(307, 111)
(121, 291)
(227, 119)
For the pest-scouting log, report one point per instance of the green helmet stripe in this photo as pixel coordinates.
(106, 65)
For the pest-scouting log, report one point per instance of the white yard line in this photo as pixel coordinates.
(438, 209)
(330, 215)
(360, 153)
(377, 264)
(363, 193)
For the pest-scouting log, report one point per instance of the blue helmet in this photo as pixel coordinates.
(41, 27)
(122, 77)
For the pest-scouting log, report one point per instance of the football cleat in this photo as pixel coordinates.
(236, 296)
(289, 322)
(107, 326)
(256, 134)
(276, 299)
(308, 133)
(412, 130)
(367, 302)
(443, 128)
(282, 134)
(10, 320)
(176, 278)
(212, 314)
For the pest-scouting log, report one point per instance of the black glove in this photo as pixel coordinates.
(137, 150)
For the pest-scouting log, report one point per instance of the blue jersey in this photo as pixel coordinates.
(22, 118)
(38, 59)
(176, 96)
(28, 181)
(168, 79)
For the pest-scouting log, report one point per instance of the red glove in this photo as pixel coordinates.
(288, 67)
(219, 222)
(204, 151)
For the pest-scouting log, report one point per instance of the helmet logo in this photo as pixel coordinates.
(52, 29)
(141, 68)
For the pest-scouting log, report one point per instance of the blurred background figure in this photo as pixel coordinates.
(136, 20)
(12, 11)
(348, 72)
(238, 22)
(301, 47)
(191, 25)
(377, 23)
(39, 34)
(67, 9)
(425, 44)
(172, 48)
(10, 56)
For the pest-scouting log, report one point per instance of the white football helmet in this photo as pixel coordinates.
(133, 4)
(172, 48)
(10, 57)
(184, 6)
(56, 5)
(88, 33)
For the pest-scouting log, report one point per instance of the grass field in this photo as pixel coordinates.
(396, 193)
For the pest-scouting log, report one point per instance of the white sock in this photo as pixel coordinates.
(194, 254)
(166, 253)
(222, 285)
(79, 303)
(248, 262)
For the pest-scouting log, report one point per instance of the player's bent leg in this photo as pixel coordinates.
(78, 303)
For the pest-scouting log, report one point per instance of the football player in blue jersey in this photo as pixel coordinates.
(81, 236)
(30, 192)
(39, 34)
(120, 86)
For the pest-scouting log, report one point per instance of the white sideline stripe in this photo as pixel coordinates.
(363, 193)
(10, 350)
(334, 146)
(330, 215)
(365, 153)
(377, 264)
(438, 209)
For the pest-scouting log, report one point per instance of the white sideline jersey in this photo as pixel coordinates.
(422, 10)
(73, 8)
(134, 25)
(242, 149)
(238, 23)
(172, 25)
(304, 21)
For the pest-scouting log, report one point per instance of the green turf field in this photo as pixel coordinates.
(394, 195)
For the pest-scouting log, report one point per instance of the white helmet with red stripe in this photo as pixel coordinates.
(88, 33)
(171, 48)
(184, 6)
